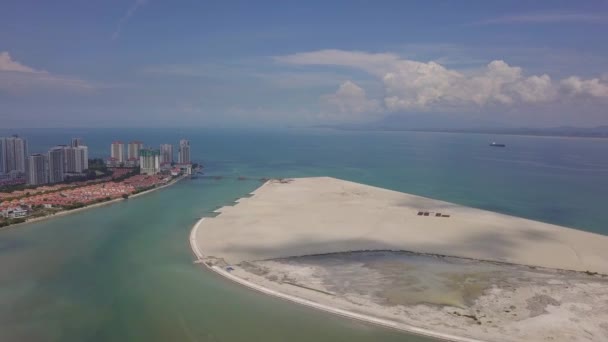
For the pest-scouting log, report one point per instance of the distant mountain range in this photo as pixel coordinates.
(565, 131)
(562, 131)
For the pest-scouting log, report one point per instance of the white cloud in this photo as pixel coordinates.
(576, 86)
(18, 78)
(350, 98)
(8, 64)
(535, 89)
(502, 84)
(417, 86)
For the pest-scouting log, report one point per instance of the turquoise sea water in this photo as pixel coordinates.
(125, 272)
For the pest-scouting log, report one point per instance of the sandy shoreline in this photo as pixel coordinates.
(308, 216)
(96, 205)
(501, 302)
(344, 313)
(317, 216)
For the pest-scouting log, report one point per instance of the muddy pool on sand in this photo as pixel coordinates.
(125, 271)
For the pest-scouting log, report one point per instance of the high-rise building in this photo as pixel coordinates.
(3, 156)
(117, 151)
(133, 149)
(13, 154)
(149, 161)
(83, 163)
(166, 153)
(76, 142)
(37, 169)
(56, 164)
(183, 156)
(76, 159)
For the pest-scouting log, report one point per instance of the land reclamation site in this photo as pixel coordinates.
(411, 263)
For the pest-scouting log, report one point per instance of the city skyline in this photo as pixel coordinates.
(272, 65)
(54, 166)
(63, 162)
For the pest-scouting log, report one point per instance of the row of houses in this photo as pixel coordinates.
(117, 173)
(84, 195)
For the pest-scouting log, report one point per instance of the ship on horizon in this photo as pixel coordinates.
(495, 144)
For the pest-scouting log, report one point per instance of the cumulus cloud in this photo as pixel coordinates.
(576, 86)
(501, 84)
(412, 85)
(350, 98)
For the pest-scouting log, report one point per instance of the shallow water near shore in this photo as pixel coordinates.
(125, 271)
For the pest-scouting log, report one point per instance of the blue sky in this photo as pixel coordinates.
(195, 63)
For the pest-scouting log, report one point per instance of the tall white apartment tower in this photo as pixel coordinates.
(166, 153)
(133, 149)
(183, 156)
(13, 154)
(76, 159)
(83, 154)
(117, 151)
(3, 155)
(37, 169)
(56, 164)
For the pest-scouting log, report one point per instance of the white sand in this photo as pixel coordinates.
(309, 298)
(517, 303)
(502, 313)
(325, 215)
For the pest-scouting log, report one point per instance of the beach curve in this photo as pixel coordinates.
(324, 214)
(339, 312)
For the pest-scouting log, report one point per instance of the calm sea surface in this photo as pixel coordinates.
(124, 272)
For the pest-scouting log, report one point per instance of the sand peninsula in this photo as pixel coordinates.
(411, 263)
